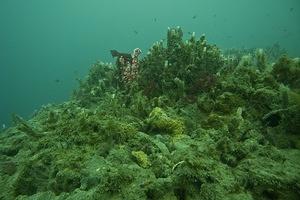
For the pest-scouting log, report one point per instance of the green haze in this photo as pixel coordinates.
(46, 45)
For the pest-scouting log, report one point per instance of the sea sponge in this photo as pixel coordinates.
(141, 158)
(160, 121)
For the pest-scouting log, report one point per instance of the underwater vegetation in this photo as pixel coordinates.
(193, 124)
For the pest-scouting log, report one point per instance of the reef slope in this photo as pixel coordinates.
(195, 124)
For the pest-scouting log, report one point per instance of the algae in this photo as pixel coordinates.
(194, 124)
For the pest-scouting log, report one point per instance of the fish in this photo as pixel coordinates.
(126, 56)
(3, 126)
(155, 19)
(57, 80)
(291, 9)
(194, 17)
(136, 32)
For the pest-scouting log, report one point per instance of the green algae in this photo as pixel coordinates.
(194, 125)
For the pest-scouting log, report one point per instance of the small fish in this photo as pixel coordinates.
(126, 56)
(57, 81)
(3, 126)
(154, 19)
(135, 32)
(291, 9)
(215, 15)
(194, 17)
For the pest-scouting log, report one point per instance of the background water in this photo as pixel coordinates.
(45, 45)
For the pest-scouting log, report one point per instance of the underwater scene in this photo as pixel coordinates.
(161, 99)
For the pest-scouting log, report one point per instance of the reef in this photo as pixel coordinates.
(195, 124)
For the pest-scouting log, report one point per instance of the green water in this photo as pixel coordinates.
(46, 45)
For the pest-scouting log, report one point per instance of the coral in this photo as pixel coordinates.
(128, 70)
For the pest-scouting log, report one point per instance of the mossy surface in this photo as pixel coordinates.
(195, 124)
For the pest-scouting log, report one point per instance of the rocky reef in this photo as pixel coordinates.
(195, 124)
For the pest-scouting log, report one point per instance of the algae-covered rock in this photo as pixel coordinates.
(193, 125)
